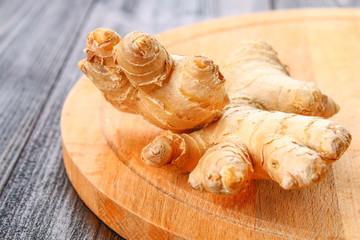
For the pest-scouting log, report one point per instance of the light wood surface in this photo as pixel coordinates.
(140, 202)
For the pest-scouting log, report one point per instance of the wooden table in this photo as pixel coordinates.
(40, 43)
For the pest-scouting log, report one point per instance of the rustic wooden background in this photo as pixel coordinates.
(40, 44)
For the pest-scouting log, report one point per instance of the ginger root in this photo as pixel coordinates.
(137, 75)
(262, 124)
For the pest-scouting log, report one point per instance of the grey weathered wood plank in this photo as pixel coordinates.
(154, 16)
(37, 201)
(286, 4)
(33, 47)
(33, 54)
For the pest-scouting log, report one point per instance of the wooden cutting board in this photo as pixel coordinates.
(101, 146)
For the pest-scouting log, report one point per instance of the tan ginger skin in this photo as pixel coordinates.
(272, 126)
(137, 75)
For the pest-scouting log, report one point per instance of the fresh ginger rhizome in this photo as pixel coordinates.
(255, 123)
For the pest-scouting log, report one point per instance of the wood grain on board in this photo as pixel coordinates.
(101, 146)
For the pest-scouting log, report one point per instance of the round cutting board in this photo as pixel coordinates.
(101, 146)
